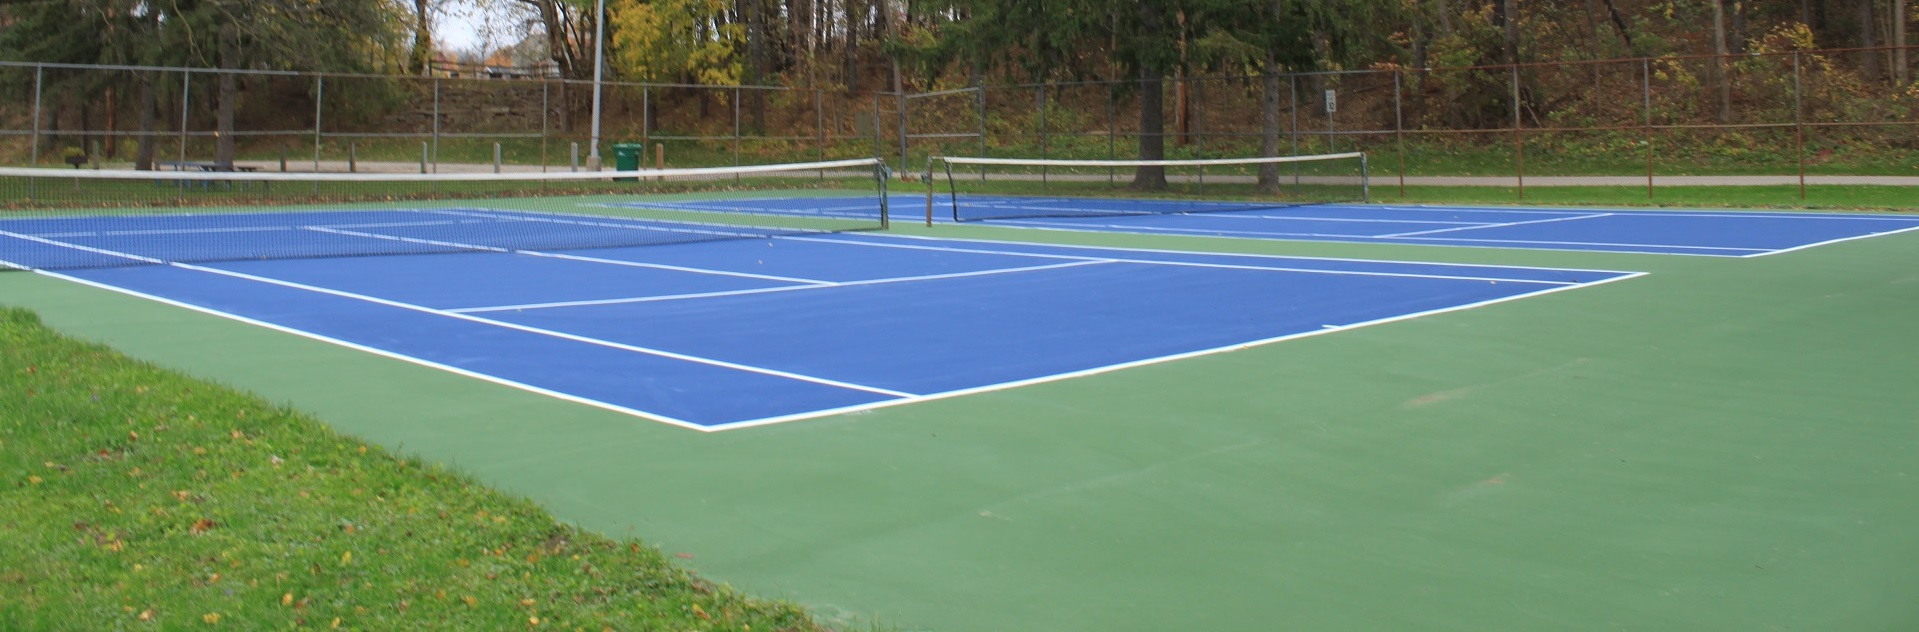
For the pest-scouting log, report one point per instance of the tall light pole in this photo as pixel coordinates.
(599, 71)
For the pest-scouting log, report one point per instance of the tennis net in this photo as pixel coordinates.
(57, 219)
(975, 187)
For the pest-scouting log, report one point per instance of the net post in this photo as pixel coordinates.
(880, 174)
(929, 188)
(1365, 179)
(952, 187)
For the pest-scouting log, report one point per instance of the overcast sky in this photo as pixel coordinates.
(458, 29)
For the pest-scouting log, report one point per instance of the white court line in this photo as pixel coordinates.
(553, 255)
(1198, 253)
(1831, 241)
(662, 266)
(548, 332)
(97, 251)
(903, 398)
(1242, 215)
(770, 290)
(1190, 264)
(607, 223)
(410, 240)
(1583, 243)
(1208, 232)
(1500, 225)
(1353, 239)
(486, 321)
(1158, 360)
(387, 354)
(1654, 212)
(175, 231)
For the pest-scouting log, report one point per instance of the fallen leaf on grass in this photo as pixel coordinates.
(202, 525)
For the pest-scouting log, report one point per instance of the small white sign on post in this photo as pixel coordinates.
(1332, 102)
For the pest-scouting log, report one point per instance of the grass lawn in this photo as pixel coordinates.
(131, 494)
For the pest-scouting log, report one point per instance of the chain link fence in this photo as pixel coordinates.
(1783, 114)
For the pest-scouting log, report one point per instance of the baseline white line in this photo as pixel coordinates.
(1500, 225)
(1582, 243)
(385, 353)
(1314, 218)
(770, 290)
(662, 266)
(1205, 232)
(1343, 239)
(1831, 241)
(1162, 359)
(1194, 264)
(1207, 253)
(1655, 212)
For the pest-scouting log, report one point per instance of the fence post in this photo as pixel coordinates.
(819, 127)
(1799, 123)
(980, 100)
(38, 78)
(545, 107)
(186, 104)
(1044, 144)
(436, 124)
(496, 157)
(1399, 125)
(1112, 139)
(423, 156)
(901, 97)
(1292, 82)
(319, 105)
(1519, 137)
(352, 157)
(576, 155)
(1199, 127)
(736, 131)
(1645, 65)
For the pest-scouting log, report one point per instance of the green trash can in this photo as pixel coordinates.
(626, 157)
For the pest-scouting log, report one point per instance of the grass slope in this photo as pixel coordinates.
(133, 494)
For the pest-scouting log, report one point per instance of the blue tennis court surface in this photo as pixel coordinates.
(740, 332)
(1705, 233)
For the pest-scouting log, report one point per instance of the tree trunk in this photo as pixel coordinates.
(422, 38)
(1508, 18)
(224, 149)
(1269, 127)
(1152, 118)
(1868, 38)
(1722, 84)
(1899, 68)
(149, 104)
(1619, 23)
